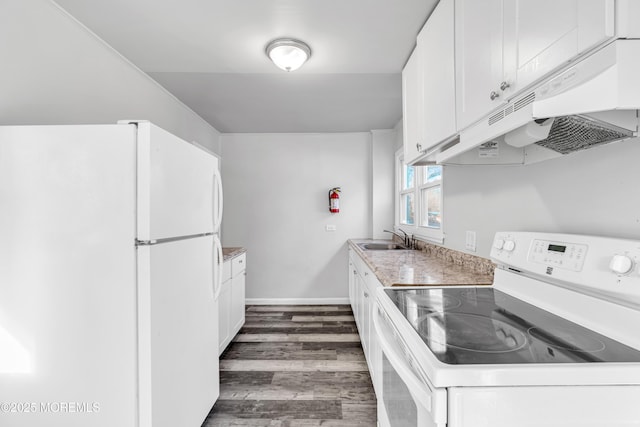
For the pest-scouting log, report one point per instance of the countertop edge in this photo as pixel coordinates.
(232, 252)
(479, 267)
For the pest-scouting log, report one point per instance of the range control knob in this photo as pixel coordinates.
(509, 245)
(498, 244)
(621, 264)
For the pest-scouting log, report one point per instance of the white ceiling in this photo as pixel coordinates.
(210, 54)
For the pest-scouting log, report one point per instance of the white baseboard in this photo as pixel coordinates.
(296, 301)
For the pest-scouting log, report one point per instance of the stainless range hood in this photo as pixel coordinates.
(594, 102)
(573, 133)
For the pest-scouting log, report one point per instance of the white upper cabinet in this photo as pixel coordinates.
(436, 47)
(428, 85)
(411, 108)
(542, 35)
(478, 56)
(502, 47)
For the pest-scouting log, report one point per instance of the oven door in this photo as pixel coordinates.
(407, 398)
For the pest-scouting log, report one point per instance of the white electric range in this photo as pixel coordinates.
(554, 342)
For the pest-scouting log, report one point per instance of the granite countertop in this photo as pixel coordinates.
(430, 265)
(230, 253)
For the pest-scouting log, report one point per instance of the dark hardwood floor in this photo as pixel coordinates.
(295, 366)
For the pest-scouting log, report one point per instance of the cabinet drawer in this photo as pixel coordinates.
(362, 267)
(238, 264)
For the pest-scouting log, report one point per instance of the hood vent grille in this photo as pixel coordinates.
(524, 101)
(496, 117)
(511, 108)
(574, 133)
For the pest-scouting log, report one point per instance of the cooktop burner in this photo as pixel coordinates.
(437, 301)
(470, 332)
(486, 326)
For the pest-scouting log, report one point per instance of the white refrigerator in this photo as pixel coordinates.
(110, 264)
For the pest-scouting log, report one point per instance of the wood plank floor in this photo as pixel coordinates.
(295, 366)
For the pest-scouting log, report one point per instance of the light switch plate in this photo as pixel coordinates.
(330, 227)
(470, 242)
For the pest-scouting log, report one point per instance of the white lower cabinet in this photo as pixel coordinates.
(362, 295)
(239, 273)
(231, 300)
(224, 308)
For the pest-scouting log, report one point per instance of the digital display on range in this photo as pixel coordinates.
(557, 248)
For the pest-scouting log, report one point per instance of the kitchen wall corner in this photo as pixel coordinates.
(56, 71)
(382, 181)
(276, 206)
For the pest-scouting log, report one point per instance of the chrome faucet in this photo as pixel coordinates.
(394, 233)
(406, 238)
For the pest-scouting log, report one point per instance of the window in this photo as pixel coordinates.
(419, 199)
(431, 197)
(407, 196)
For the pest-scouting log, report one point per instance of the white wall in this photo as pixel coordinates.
(54, 71)
(382, 182)
(590, 192)
(276, 206)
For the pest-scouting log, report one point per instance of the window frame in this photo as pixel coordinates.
(432, 234)
(402, 192)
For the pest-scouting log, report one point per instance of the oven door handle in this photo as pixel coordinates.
(419, 390)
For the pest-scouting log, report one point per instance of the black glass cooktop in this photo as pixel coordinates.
(487, 326)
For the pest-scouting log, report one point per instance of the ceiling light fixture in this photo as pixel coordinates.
(288, 54)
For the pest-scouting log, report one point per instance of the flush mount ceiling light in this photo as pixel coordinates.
(288, 54)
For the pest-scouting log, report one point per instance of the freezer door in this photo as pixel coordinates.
(178, 333)
(176, 186)
(67, 276)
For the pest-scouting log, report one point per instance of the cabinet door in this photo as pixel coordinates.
(224, 313)
(368, 328)
(359, 312)
(478, 46)
(364, 313)
(411, 108)
(542, 35)
(436, 52)
(237, 303)
(357, 299)
(374, 352)
(352, 298)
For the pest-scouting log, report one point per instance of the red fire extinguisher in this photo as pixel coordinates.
(334, 200)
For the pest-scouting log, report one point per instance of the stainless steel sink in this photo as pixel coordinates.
(381, 246)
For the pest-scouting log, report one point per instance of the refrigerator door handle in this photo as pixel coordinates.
(217, 200)
(170, 239)
(217, 273)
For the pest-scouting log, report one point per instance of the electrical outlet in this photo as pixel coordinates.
(330, 227)
(470, 242)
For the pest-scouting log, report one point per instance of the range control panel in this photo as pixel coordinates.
(604, 266)
(569, 256)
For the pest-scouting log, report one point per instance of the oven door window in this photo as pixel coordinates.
(406, 400)
(398, 402)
